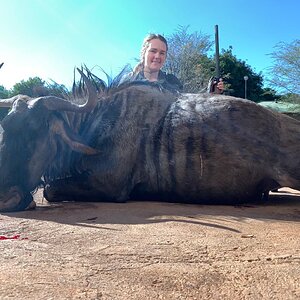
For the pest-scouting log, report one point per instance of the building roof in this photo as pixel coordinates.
(283, 107)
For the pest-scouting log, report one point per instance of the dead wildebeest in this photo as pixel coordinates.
(139, 142)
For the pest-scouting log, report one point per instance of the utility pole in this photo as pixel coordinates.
(246, 78)
(214, 82)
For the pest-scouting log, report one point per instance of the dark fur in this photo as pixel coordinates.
(153, 144)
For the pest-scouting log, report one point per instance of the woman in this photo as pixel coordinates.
(153, 56)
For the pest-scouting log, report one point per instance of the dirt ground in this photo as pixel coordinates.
(151, 250)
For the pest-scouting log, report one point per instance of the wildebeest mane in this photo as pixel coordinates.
(62, 165)
(102, 87)
(110, 86)
(66, 159)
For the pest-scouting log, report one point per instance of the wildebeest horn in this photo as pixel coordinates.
(55, 103)
(58, 128)
(10, 101)
(6, 102)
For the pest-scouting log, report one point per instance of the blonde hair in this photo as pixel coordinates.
(139, 67)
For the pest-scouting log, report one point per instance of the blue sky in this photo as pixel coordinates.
(48, 38)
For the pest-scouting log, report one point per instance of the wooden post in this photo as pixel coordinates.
(217, 55)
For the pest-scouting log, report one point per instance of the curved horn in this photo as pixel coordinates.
(10, 101)
(57, 127)
(55, 103)
(6, 102)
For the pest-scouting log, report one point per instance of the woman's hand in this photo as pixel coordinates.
(220, 85)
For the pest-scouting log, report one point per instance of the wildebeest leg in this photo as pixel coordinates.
(75, 189)
(61, 190)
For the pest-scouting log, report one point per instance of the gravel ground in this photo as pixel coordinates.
(152, 250)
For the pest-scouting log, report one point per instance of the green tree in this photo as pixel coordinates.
(269, 94)
(33, 87)
(36, 87)
(290, 97)
(285, 73)
(4, 93)
(188, 60)
(56, 89)
(233, 70)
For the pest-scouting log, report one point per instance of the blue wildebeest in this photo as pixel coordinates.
(140, 142)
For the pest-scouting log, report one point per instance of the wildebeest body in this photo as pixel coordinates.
(143, 143)
(197, 148)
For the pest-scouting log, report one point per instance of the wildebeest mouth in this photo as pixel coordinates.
(15, 200)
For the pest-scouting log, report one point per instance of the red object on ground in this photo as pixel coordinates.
(14, 237)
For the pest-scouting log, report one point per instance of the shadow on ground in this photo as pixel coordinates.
(284, 206)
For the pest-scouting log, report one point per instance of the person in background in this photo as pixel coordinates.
(152, 58)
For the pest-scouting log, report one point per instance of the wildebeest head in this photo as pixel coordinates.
(31, 130)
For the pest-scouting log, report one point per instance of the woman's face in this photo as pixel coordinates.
(155, 56)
